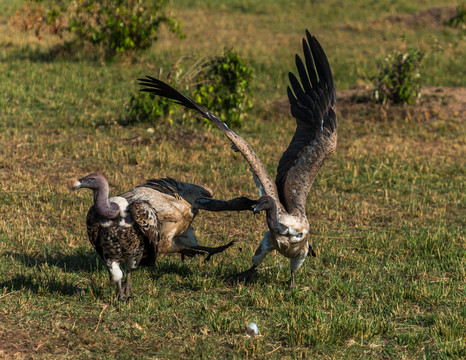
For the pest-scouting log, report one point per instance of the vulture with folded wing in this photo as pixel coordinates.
(313, 105)
(153, 218)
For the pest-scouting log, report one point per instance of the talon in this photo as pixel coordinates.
(245, 276)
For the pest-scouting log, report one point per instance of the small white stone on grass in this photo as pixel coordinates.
(253, 329)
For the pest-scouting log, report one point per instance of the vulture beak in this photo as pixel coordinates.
(76, 185)
(256, 210)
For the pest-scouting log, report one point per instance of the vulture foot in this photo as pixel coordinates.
(213, 250)
(128, 290)
(245, 276)
(121, 295)
(189, 252)
(203, 250)
(291, 283)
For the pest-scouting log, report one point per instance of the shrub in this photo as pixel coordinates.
(223, 86)
(144, 107)
(399, 79)
(459, 20)
(39, 18)
(115, 25)
(147, 107)
(120, 25)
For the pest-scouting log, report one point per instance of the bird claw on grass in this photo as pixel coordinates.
(291, 283)
(216, 250)
(244, 276)
(122, 297)
(204, 250)
(125, 292)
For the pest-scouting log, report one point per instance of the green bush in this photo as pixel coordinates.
(399, 79)
(120, 25)
(459, 20)
(115, 25)
(223, 86)
(150, 108)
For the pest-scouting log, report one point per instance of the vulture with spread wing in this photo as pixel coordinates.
(313, 104)
(153, 218)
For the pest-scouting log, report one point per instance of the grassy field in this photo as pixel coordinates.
(387, 212)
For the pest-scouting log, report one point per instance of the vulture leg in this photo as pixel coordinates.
(246, 275)
(295, 264)
(121, 292)
(264, 248)
(291, 282)
(128, 291)
(116, 275)
(187, 252)
(188, 245)
(131, 265)
(236, 204)
(213, 250)
(201, 250)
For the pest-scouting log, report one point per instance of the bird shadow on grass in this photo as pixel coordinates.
(44, 278)
(69, 51)
(82, 260)
(164, 267)
(38, 286)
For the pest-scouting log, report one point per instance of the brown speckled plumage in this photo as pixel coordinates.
(313, 105)
(153, 218)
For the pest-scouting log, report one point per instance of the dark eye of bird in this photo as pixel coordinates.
(299, 236)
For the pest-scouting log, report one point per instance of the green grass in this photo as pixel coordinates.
(387, 212)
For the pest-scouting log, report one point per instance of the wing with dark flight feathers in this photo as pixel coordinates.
(313, 104)
(166, 186)
(158, 87)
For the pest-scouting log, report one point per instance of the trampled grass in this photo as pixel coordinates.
(387, 212)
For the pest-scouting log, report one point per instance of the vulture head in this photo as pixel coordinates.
(99, 185)
(275, 222)
(266, 203)
(92, 181)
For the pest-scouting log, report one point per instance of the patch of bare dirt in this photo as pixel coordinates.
(432, 17)
(27, 341)
(16, 343)
(436, 102)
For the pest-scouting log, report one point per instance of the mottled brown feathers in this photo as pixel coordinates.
(93, 225)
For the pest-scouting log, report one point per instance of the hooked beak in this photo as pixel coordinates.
(76, 185)
(256, 210)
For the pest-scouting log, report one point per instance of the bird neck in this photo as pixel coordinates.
(272, 219)
(105, 208)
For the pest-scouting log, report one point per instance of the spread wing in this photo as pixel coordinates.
(93, 225)
(313, 104)
(158, 87)
(146, 217)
